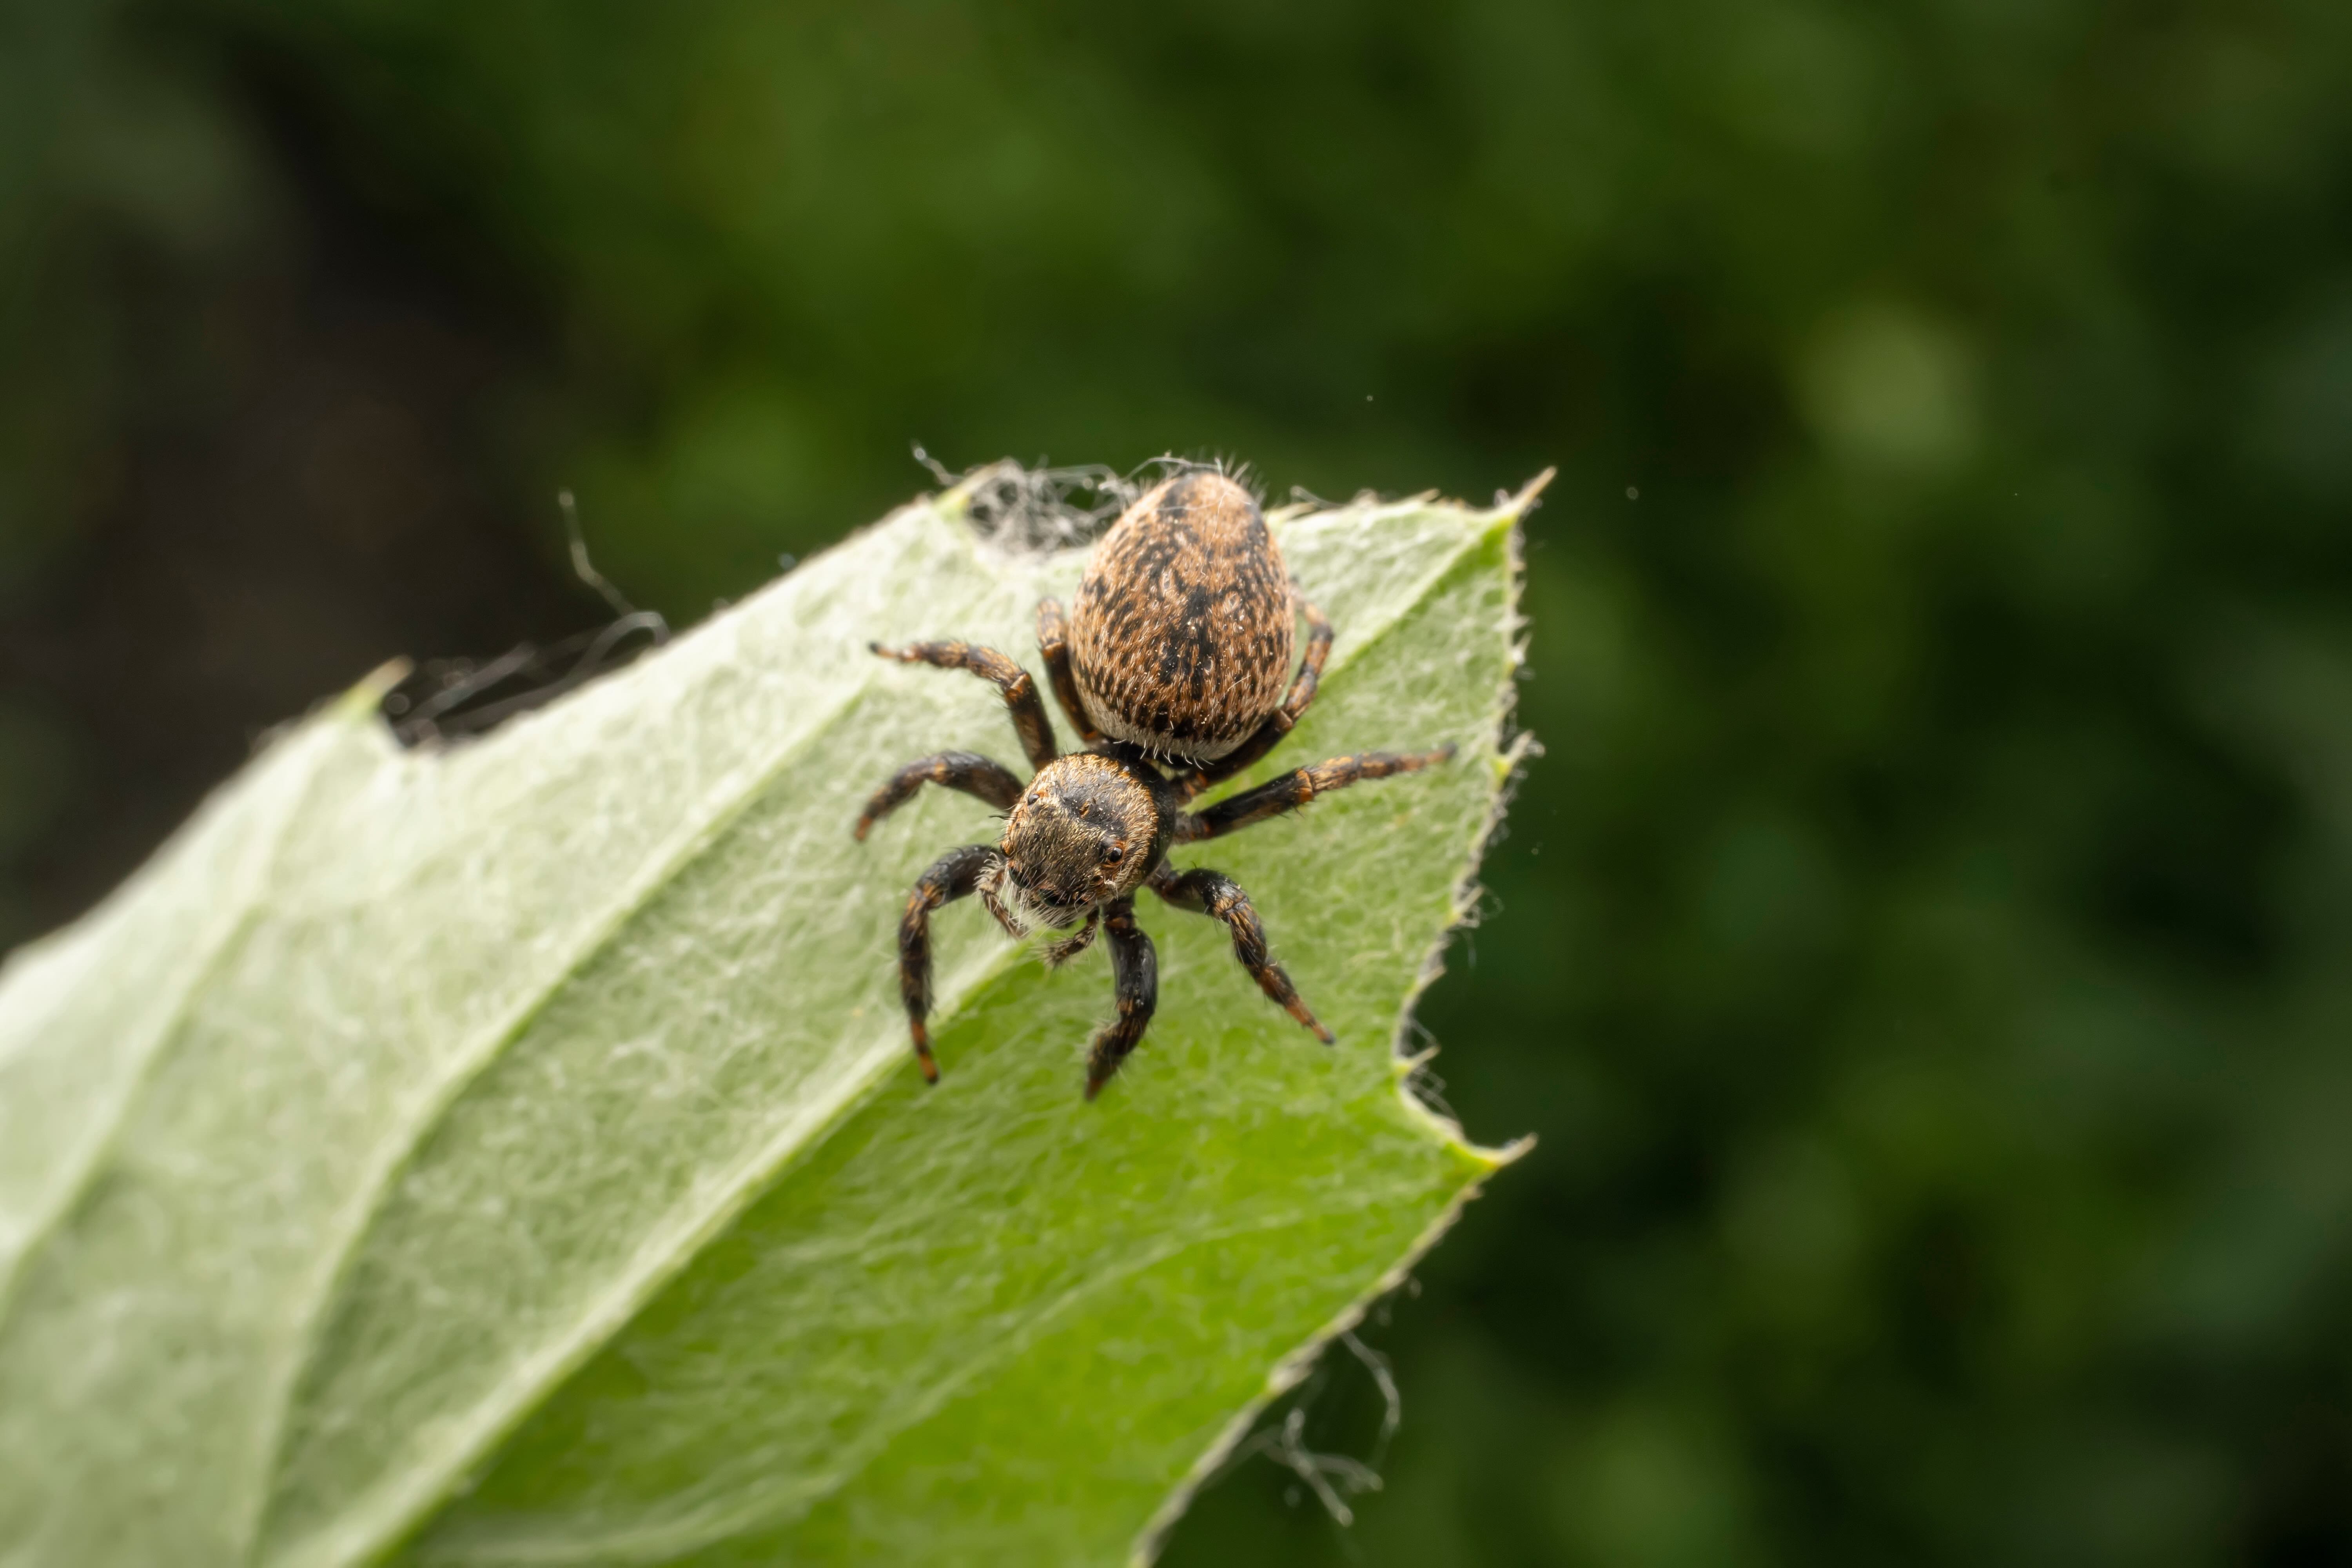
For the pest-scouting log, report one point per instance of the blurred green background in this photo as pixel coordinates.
(1923, 947)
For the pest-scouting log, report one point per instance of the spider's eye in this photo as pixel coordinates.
(1113, 854)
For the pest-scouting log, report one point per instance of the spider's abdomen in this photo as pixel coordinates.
(1181, 640)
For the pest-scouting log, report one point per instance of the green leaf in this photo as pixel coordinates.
(513, 1155)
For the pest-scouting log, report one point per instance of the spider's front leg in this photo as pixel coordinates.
(1213, 893)
(1135, 967)
(966, 771)
(953, 876)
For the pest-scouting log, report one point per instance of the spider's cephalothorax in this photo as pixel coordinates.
(1175, 668)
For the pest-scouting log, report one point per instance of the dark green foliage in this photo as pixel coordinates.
(1920, 947)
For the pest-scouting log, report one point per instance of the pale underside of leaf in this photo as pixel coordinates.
(513, 1155)
(88, 1006)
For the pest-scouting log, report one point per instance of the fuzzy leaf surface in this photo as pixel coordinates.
(513, 1155)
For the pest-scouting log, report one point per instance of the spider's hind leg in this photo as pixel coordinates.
(1310, 666)
(1296, 787)
(1029, 719)
(1213, 893)
(1053, 643)
(1302, 692)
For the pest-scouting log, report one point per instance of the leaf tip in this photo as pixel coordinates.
(367, 694)
(1514, 507)
(1487, 1160)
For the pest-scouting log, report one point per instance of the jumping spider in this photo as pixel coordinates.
(1172, 668)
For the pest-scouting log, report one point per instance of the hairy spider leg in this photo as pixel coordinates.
(967, 770)
(952, 876)
(1310, 664)
(1135, 968)
(1029, 719)
(1054, 642)
(1280, 723)
(1296, 787)
(1213, 893)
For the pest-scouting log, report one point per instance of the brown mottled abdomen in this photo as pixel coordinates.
(1180, 640)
